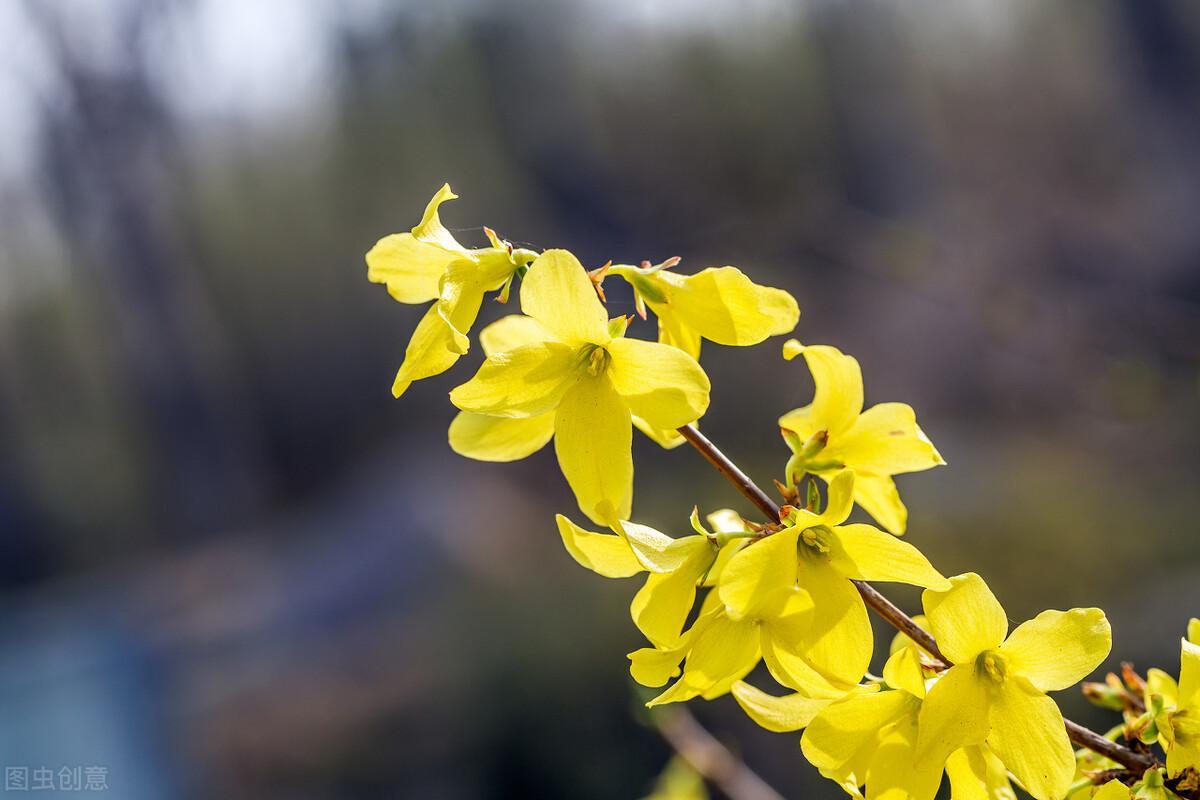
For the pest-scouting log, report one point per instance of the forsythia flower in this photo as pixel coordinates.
(429, 264)
(995, 690)
(820, 554)
(593, 381)
(676, 566)
(719, 304)
(1173, 709)
(872, 738)
(834, 433)
(488, 438)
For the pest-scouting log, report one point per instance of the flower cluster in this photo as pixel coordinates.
(788, 593)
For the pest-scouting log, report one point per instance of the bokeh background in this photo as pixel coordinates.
(233, 566)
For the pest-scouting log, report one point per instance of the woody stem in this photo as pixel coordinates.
(1081, 736)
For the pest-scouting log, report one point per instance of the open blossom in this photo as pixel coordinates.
(594, 379)
(821, 554)
(429, 264)
(1173, 707)
(995, 692)
(834, 433)
(718, 303)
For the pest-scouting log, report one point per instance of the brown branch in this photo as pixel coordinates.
(1081, 736)
(713, 760)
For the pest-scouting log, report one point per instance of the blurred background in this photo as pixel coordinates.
(233, 566)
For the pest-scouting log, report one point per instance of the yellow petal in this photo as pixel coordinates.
(783, 640)
(724, 556)
(511, 332)
(525, 382)
(779, 714)
(756, 578)
(839, 641)
(673, 333)
(430, 228)
(666, 438)
(1162, 684)
(1189, 676)
(1057, 649)
(660, 384)
(976, 774)
(726, 307)
(954, 714)
(412, 264)
(603, 553)
(886, 440)
(1028, 735)
(800, 421)
(462, 290)
(487, 438)
(657, 551)
(1183, 755)
(558, 293)
(869, 554)
(431, 351)
(1113, 790)
(651, 666)
(411, 269)
(878, 496)
(722, 652)
(662, 605)
(592, 437)
(967, 619)
(1193, 631)
(903, 671)
(843, 738)
(839, 390)
(840, 499)
(895, 772)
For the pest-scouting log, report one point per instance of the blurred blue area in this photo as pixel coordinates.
(232, 565)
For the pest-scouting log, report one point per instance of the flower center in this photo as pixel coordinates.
(817, 541)
(993, 664)
(594, 359)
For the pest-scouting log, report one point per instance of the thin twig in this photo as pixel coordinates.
(1081, 736)
(713, 760)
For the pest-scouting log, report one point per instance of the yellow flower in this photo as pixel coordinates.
(833, 433)
(1173, 709)
(871, 738)
(1113, 790)
(676, 566)
(429, 264)
(995, 690)
(592, 379)
(489, 438)
(838, 643)
(719, 304)
(719, 650)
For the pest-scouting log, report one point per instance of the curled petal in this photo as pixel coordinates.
(779, 714)
(869, 554)
(603, 553)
